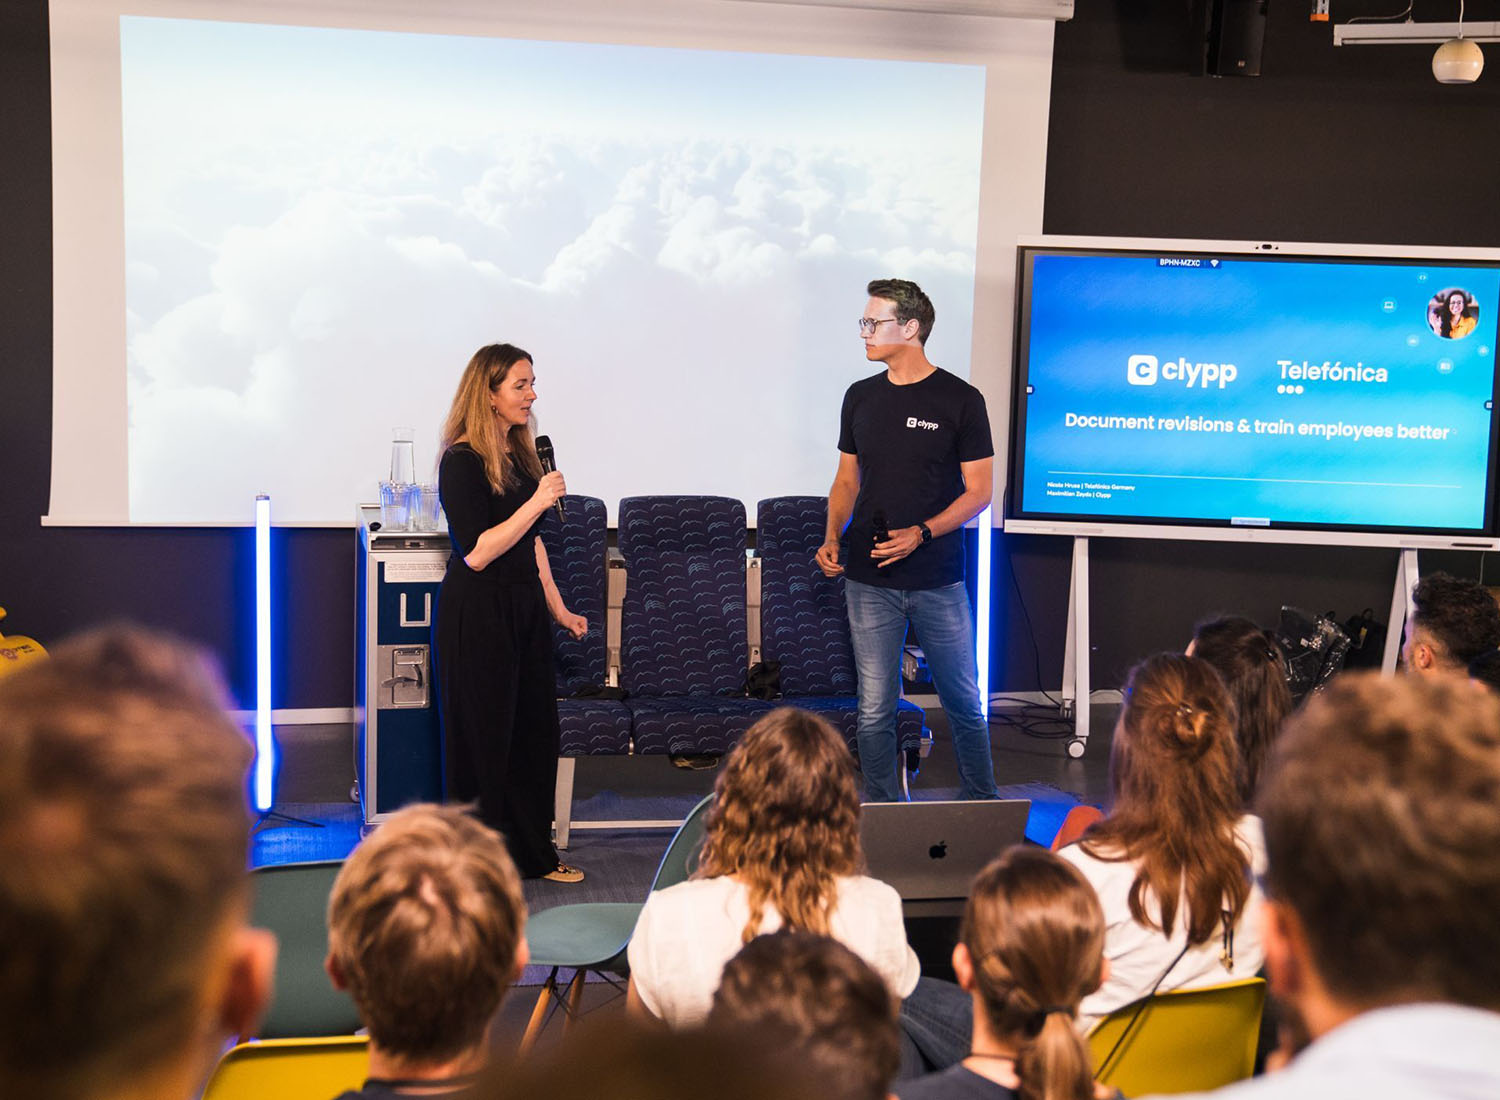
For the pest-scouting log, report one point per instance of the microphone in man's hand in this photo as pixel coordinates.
(549, 466)
(882, 530)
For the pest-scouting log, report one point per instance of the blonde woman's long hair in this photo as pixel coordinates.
(1034, 931)
(472, 419)
(785, 820)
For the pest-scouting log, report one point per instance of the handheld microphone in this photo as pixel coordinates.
(549, 465)
(882, 530)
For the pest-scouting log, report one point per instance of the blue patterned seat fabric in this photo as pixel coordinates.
(680, 724)
(593, 727)
(683, 649)
(803, 621)
(576, 548)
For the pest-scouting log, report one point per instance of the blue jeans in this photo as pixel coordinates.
(937, 1025)
(878, 618)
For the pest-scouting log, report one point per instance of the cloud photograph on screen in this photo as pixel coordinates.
(321, 226)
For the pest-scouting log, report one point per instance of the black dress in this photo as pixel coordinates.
(492, 643)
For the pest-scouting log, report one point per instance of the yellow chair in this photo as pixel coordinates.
(1188, 1040)
(291, 1069)
(16, 650)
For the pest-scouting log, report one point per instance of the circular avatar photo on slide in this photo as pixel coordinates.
(1452, 313)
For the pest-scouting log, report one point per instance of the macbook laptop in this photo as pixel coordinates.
(930, 850)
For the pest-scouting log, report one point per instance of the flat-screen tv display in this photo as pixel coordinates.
(1235, 390)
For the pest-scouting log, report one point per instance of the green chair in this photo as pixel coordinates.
(1187, 1040)
(291, 899)
(593, 936)
(290, 1069)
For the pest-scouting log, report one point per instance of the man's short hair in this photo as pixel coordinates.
(621, 1058)
(424, 923)
(912, 304)
(814, 998)
(1459, 615)
(1382, 821)
(123, 837)
(1485, 669)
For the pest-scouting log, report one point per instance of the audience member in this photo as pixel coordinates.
(1173, 862)
(1382, 821)
(624, 1059)
(127, 961)
(1453, 621)
(818, 1002)
(426, 930)
(781, 849)
(1031, 948)
(1254, 670)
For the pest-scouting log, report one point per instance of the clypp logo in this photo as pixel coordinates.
(925, 425)
(911, 421)
(1140, 370)
(1144, 370)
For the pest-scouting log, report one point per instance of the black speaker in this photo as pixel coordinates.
(1232, 36)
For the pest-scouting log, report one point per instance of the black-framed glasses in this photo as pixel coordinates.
(867, 326)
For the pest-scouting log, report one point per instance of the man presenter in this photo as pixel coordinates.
(915, 461)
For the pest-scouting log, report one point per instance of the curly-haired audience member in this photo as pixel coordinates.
(1381, 805)
(781, 849)
(812, 998)
(1453, 621)
(126, 960)
(1174, 860)
(1254, 670)
(426, 931)
(1030, 950)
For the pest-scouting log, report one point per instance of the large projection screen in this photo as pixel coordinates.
(281, 228)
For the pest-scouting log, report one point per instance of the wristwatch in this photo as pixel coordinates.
(926, 532)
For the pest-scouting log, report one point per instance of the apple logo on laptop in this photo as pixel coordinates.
(938, 850)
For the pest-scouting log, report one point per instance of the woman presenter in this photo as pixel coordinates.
(493, 637)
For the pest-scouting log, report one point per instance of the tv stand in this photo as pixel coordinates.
(1406, 580)
(1075, 676)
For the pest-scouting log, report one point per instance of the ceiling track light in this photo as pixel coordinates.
(1458, 58)
(1458, 61)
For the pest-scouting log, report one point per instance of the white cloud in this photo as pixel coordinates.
(699, 296)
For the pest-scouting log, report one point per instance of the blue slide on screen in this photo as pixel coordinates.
(1258, 392)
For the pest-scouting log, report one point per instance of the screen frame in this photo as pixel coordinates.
(88, 376)
(1214, 530)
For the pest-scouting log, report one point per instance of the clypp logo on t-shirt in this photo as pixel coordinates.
(926, 425)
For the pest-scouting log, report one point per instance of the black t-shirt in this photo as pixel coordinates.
(472, 507)
(954, 1083)
(909, 441)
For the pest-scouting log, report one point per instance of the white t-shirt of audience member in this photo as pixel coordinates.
(686, 933)
(1138, 955)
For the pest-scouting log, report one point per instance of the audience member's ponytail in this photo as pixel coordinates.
(1056, 1065)
(1173, 769)
(1035, 935)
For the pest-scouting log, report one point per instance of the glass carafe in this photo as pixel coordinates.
(403, 457)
